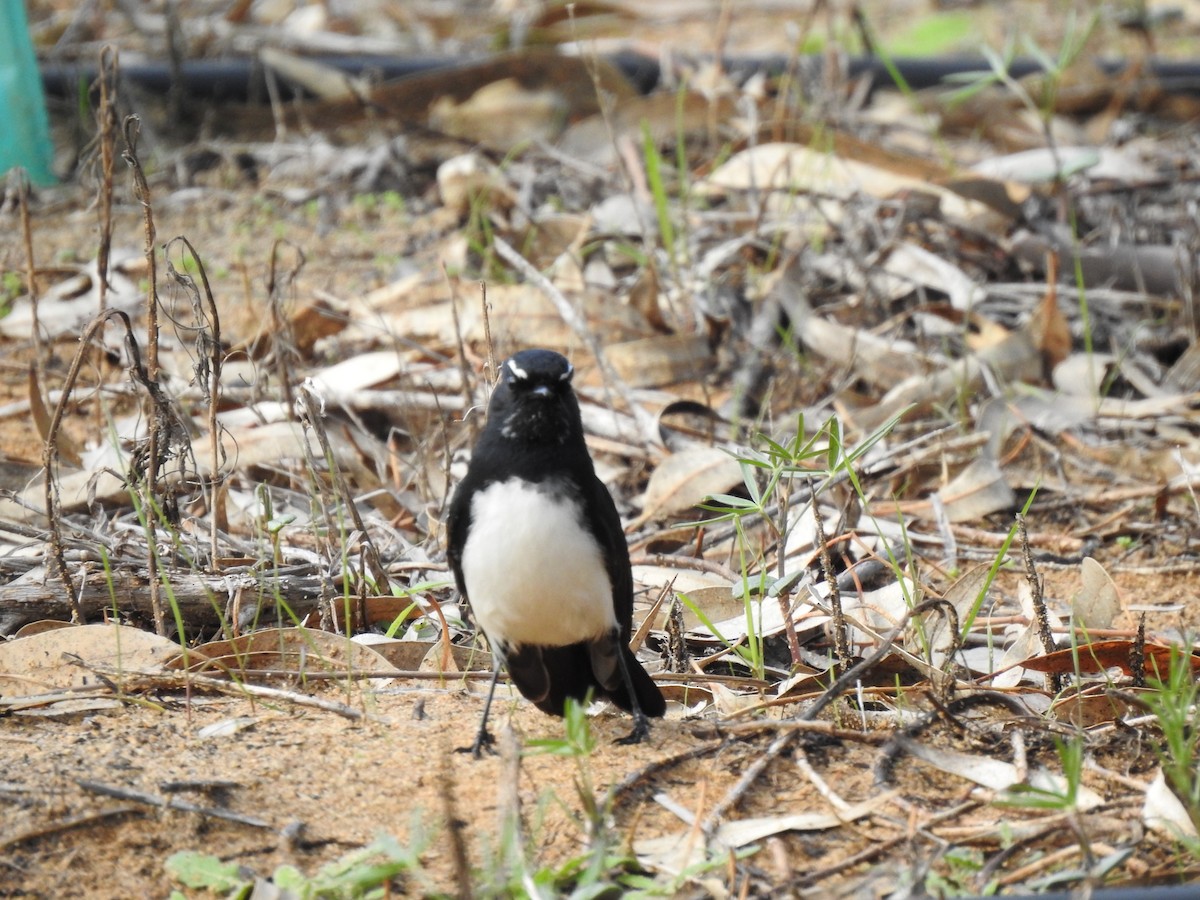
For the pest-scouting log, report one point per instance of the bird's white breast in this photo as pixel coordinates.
(533, 571)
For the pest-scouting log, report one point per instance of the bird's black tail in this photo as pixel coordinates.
(570, 675)
(649, 697)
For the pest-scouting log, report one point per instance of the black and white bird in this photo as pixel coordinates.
(537, 549)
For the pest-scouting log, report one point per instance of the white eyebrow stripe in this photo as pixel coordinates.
(517, 370)
(566, 376)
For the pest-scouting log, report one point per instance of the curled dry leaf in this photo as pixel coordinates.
(795, 170)
(685, 478)
(1097, 602)
(470, 179)
(501, 115)
(1100, 656)
(977, 491)
(291, 651)
(1163, 812)
(914, 265)
(661, 360)
(996, 774)
(55, 659)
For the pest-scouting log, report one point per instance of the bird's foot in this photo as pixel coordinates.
(641, 731)
(484, 741)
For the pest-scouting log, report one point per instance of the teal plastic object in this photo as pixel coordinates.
(24, 125)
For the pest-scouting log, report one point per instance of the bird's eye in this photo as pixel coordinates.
(568, 374)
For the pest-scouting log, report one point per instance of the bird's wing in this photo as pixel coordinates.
(611, 535)
(458, 521)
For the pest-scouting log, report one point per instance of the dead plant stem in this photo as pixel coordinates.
(141, 190)
(39, 359)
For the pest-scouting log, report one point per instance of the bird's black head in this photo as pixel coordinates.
(533, 402)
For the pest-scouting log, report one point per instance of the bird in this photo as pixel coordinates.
(537, 549)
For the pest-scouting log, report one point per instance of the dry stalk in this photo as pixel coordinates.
(1040, 612)
(141, 190)
(39, 360)
(58, 565)
(486, 309)
(106, 116)
(282, 340)
(677, 651)
(463, 366)
(314, 418)
(208, 374)
(841, 641)
(1137, 655)
(509, 823)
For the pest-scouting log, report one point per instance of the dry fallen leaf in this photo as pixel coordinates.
(1097, 603)
(56, 659)
(685, 478)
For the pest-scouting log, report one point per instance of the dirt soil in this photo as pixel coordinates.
(323, 785)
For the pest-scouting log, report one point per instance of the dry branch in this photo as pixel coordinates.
(202, 599)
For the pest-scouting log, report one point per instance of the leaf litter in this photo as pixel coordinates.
(949, 605)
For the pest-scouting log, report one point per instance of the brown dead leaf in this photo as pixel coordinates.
(661, 360)
(977, 491)
(1048, 327)
(501, 115)
(1097, 602)
(58, 658)
(1100, 656)
(665, 115)
(285, 650)
(68, 449)
(1095, 704)
(685, 478)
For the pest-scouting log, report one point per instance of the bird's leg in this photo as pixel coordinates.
(641, 725)
(483, 739)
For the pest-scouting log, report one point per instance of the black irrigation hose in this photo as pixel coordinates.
(240, 79)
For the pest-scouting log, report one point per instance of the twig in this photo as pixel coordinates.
(283, 342)
(877, 850)
(845, 682)
(123, 793)
(667, 560)
(576, 322)
(486, 310)
(314, 410)
(76, 821)
(629, 782)
(190, 680)
(208, 374)
(467, 394)
(141, 190)
(841, 640)
(58, 564)
(106, 115)
(39, 361)
(1040, 611)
